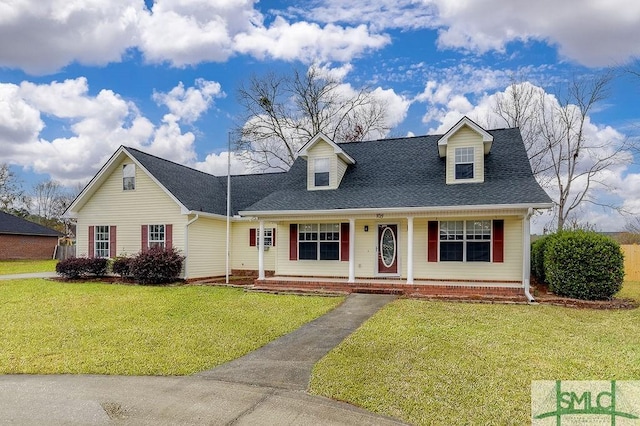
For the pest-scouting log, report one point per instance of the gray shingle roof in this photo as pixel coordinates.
(10, 224)
(203, 192)
(402, 172)
(408, 172)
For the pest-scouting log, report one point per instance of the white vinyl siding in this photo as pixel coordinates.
(244, 257)
(465, 137)
(110, 204)
(207, 248)
(509, 270)
(321, 151)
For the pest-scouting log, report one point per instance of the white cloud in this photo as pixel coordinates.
(189, 104)
(95, 126)
(216, 164)
(308, 42)
(43, 36)
(592, 32)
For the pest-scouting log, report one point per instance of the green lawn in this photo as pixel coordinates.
(461, 363)
(51, 327)
(8, 267)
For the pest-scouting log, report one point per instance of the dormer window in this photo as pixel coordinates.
(464, 163)
(128, 177)
(321, 171)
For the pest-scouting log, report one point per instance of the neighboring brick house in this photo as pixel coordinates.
(21, 239)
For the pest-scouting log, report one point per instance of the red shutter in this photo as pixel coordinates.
(112, 242)
(168, 236)
(273, 237)
(498, 241)
(91, 248)
(252, 237)
(144, 238)
(432, 241)
(344, 241)
(293, 241)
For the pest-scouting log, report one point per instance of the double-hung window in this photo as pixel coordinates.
(128, 177)
(268, 237)
(319, 241)
(464, 163)
(465, 241)
(321, 171)
(156, 236)
(101, 241)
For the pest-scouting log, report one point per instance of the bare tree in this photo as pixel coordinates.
(12, 196)
(50, 200)
(283, 112)
(565, 159)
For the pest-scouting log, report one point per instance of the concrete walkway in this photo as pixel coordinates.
(262, 388)
(287, 362)
(30, 275)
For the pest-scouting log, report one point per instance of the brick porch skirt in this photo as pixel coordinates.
(454, 289)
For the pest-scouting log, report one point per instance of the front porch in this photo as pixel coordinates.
(474, 290)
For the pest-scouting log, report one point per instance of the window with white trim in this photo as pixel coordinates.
(465, 241)
(268, 237)
(319, 241)
(464, 159)
(129, 177)
(101, 241)
(157, 236)
(321, 168)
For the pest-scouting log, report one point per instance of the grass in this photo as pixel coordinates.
(8, 267)
(456, 363)
(95, 328)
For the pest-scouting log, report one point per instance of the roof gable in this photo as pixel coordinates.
(320, 137)
(487, 138)
(110, 167)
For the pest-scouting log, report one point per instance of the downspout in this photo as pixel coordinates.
(186, 245)
(526, 256)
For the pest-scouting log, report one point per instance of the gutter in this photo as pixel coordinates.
(394, 210)
(526, 255)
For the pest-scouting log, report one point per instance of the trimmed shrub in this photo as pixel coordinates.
(537, 258)
(538, 249)
(583, 265)
(156, 266)
(78, 267)
(121, 266)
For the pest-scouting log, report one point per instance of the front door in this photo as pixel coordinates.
(387, 249)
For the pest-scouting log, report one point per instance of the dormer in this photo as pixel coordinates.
(326, 163)
(464, 147)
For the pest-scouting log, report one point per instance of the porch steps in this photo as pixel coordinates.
(435, 290)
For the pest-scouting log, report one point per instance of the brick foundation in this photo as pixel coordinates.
(458, 290)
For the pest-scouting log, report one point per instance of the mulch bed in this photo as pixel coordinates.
(544, 296)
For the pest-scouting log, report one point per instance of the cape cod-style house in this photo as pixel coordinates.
(435, 214)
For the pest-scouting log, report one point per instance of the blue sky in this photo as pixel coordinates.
(78, 79)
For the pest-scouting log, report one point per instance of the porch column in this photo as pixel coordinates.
(261, 251)
(352, 251)
(410, 250)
